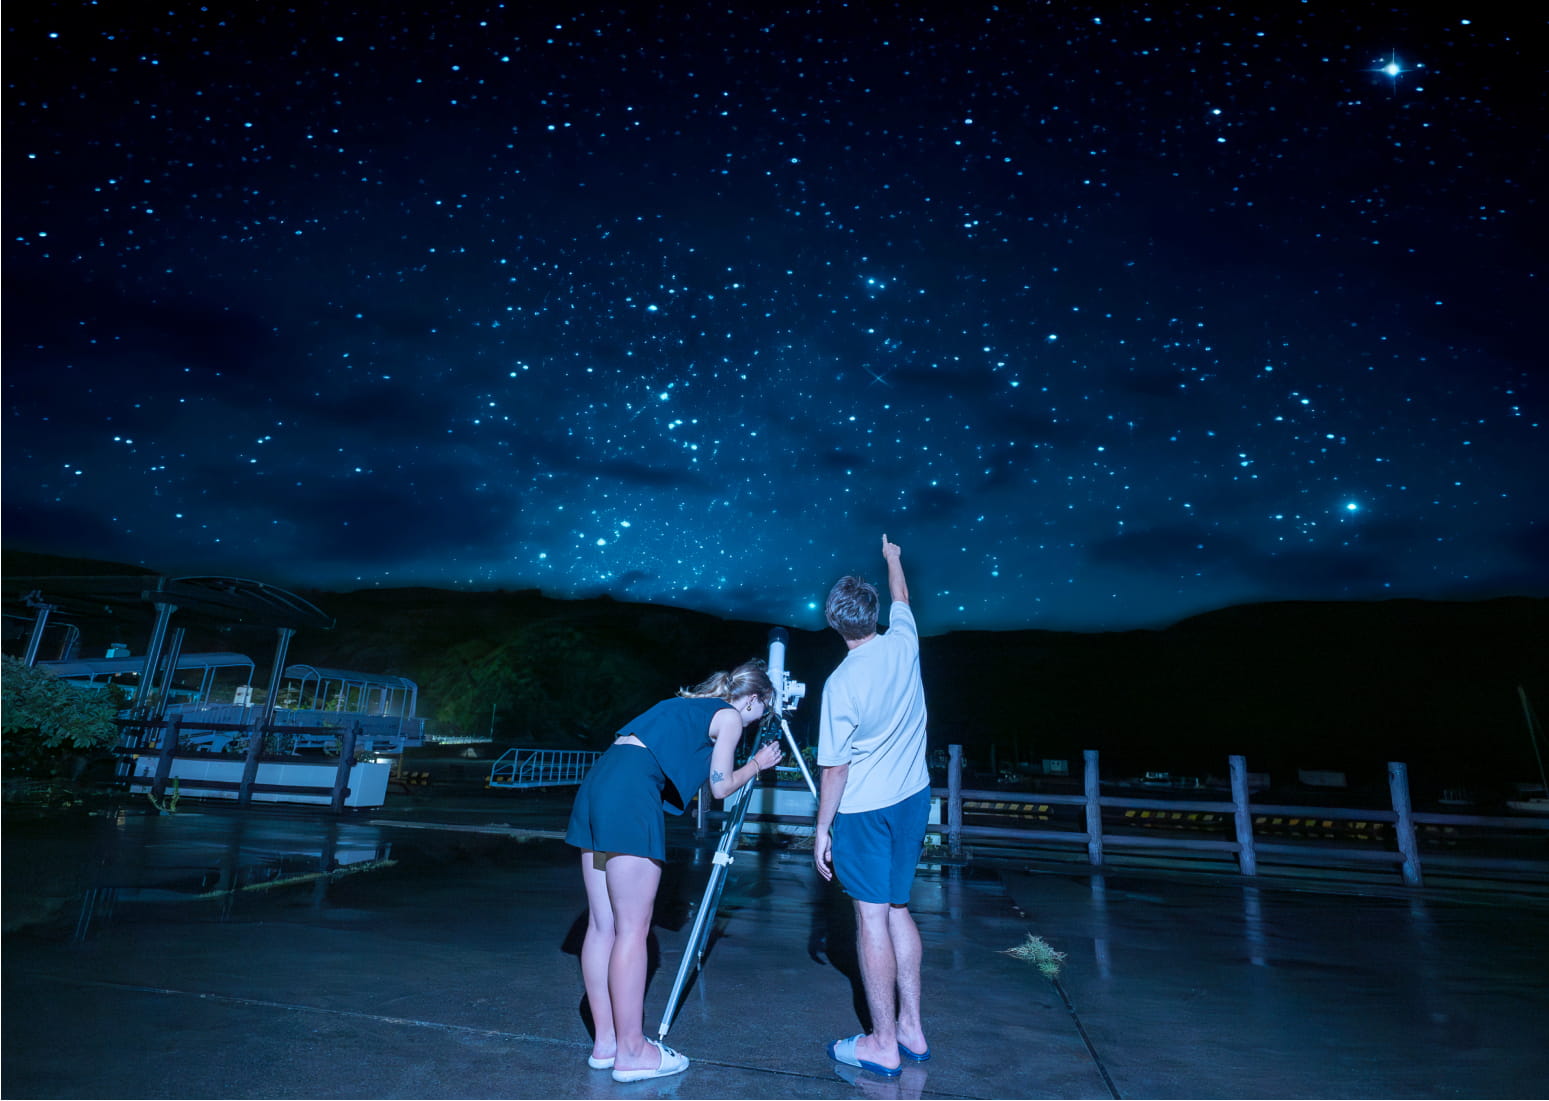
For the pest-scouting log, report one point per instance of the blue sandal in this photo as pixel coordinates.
(843, 1051)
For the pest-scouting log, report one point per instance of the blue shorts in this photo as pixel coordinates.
(876, 851)
(619, 806)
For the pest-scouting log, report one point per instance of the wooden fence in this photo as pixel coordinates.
(1244, 844)
(159, 738)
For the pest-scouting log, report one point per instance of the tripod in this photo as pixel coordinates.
(787, 693)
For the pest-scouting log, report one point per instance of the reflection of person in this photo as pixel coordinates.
(874, 807)
(656, 764)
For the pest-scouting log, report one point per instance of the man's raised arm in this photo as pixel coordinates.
(896, 586)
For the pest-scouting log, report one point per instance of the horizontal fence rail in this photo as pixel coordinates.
(163, 738)
(1328, 835)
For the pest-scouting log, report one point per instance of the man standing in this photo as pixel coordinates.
(874, 807)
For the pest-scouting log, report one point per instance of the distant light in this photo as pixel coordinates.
(1351, 506)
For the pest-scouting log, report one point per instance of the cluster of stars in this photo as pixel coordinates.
(1107, 320)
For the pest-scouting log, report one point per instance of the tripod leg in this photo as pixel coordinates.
(790, 740)
(698, 939)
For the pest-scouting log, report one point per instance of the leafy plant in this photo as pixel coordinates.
(1037, 951)
(170, 806)
(48, 721)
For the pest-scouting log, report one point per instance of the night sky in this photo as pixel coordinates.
(1108, 314)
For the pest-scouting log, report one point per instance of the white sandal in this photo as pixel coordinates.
(671, 1063)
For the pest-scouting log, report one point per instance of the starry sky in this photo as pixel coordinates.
(1108, 314)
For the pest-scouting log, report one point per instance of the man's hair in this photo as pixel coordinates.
(851, 608)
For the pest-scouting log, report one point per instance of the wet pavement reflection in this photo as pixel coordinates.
(264, 954)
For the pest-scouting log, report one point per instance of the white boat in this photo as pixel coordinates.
(1531, 806)
(1531, 798)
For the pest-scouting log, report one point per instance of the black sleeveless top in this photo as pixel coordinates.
(677, 732)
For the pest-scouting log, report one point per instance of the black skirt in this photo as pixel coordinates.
(619, 806)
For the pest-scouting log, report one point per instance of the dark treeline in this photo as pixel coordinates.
(1344, 686)
(1318, 685)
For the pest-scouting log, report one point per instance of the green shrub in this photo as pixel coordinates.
(48, 723)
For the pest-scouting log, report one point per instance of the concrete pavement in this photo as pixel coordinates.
(440, 961)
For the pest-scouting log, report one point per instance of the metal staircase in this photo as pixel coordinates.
(541, 768)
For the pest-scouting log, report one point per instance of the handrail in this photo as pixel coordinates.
(528, 768)
(1239, 813)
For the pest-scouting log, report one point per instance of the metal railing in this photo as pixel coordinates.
(1396, 827)
(162, 739)
(540, 768)
(387, 732)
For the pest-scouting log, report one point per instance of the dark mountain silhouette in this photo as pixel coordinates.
(1345, 686)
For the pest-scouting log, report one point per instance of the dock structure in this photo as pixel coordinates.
(541, 768)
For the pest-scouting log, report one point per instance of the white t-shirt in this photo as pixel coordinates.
(873, 718)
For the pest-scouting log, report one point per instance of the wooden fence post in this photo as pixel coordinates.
(955, 800)
(1398, 783)
(1247, 859)
(346, 762)
(1094, 809)
(170, 732)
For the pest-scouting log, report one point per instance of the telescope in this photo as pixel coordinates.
(787, 694)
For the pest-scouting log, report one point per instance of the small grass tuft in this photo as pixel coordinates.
(1036, 950)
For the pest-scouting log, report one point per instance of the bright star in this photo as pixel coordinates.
(1393, 69)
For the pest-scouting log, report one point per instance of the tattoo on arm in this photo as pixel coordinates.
(716, 776)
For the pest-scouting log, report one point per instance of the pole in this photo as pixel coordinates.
(1398, 783)
(346, 764)
(1094, 809)
(1247, 857)
(39, 621)
(163, 689)
(255, 746)
(170, 733)
(152, 657)
(955, 799)
(1532, 736)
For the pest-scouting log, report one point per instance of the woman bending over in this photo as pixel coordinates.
(655, 765)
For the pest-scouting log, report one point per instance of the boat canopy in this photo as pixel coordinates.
(92, 668)
(323, 689)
